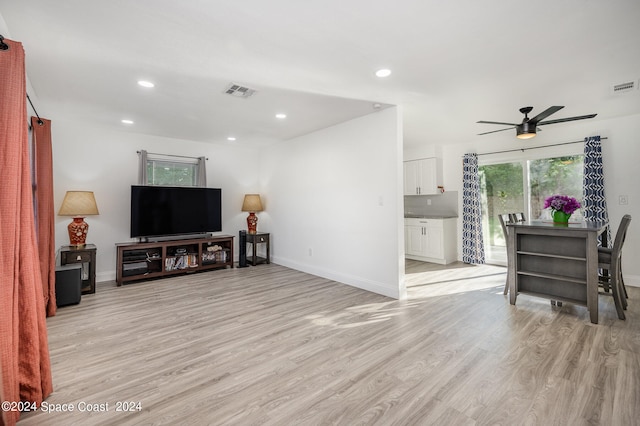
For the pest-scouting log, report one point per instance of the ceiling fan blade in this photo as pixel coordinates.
(544, 114)
(496, 122)
(562, 120)
(494, 131)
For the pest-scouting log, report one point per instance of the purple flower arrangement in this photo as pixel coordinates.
(562, 203)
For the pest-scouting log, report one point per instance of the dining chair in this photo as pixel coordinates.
(518, 217)
(610, 259)
(504, 219)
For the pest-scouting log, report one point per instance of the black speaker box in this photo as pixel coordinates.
(242, 258)
(68, 284)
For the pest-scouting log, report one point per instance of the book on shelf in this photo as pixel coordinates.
(181, 262)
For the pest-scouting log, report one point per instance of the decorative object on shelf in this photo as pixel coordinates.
(78, 204)
(562, 207)
(252, 204)
(214, 253)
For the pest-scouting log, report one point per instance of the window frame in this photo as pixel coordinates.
(523, 157)
(154, 161)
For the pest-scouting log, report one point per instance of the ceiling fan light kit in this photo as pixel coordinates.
(525, 131)
(528, 128)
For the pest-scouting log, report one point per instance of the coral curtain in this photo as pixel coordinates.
(472, 242)
(24, 351)
(45, 219)
(594, 201)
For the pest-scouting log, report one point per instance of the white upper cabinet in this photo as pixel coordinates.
(412, 177)
(422, 177)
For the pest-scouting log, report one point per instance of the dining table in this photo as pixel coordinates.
(555, 261)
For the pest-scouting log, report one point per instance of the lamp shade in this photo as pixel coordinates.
(78, 203)
(252, 203)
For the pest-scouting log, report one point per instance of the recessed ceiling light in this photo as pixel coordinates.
(281, 116)
(144, 83)
(127, 121)
(231, 138)
(383, 73)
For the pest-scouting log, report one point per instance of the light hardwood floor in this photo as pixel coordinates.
(269, 345)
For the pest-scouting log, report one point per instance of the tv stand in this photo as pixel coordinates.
(158, 239)
(141, 261)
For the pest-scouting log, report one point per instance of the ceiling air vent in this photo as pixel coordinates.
(239, 91)
(624, 87)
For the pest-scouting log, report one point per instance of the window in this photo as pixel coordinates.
(522, 186)
(164, 172)
(171, 170)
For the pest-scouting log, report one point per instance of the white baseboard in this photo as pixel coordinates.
(362, 283)
(105, 276)
(631, 280)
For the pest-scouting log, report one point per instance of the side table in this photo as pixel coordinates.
(86, 256)
(254, 240)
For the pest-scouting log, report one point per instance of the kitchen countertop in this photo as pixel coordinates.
(427, 216)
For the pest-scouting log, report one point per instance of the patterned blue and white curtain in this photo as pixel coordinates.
(472, 244)
(594, 202)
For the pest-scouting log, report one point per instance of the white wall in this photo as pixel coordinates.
(337, 192)
(104, 161)
(334, 203)
(426, 150)
(316, 188)
(621, 152)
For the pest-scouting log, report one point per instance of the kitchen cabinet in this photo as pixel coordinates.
(431, 240)
(415, 239)
(422, 177)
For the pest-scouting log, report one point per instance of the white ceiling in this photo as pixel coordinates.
(453, 63)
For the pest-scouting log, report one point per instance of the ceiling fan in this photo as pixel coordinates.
(527, 129)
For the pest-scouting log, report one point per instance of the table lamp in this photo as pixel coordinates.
(78, 204)
(252, 204)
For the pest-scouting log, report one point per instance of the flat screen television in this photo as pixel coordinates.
(158, 211)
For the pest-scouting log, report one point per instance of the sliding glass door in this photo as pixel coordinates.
(502, 190)
(522, 186)
(549, 176)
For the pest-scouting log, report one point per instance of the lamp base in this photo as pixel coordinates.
(252, 223)
(78, 231)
